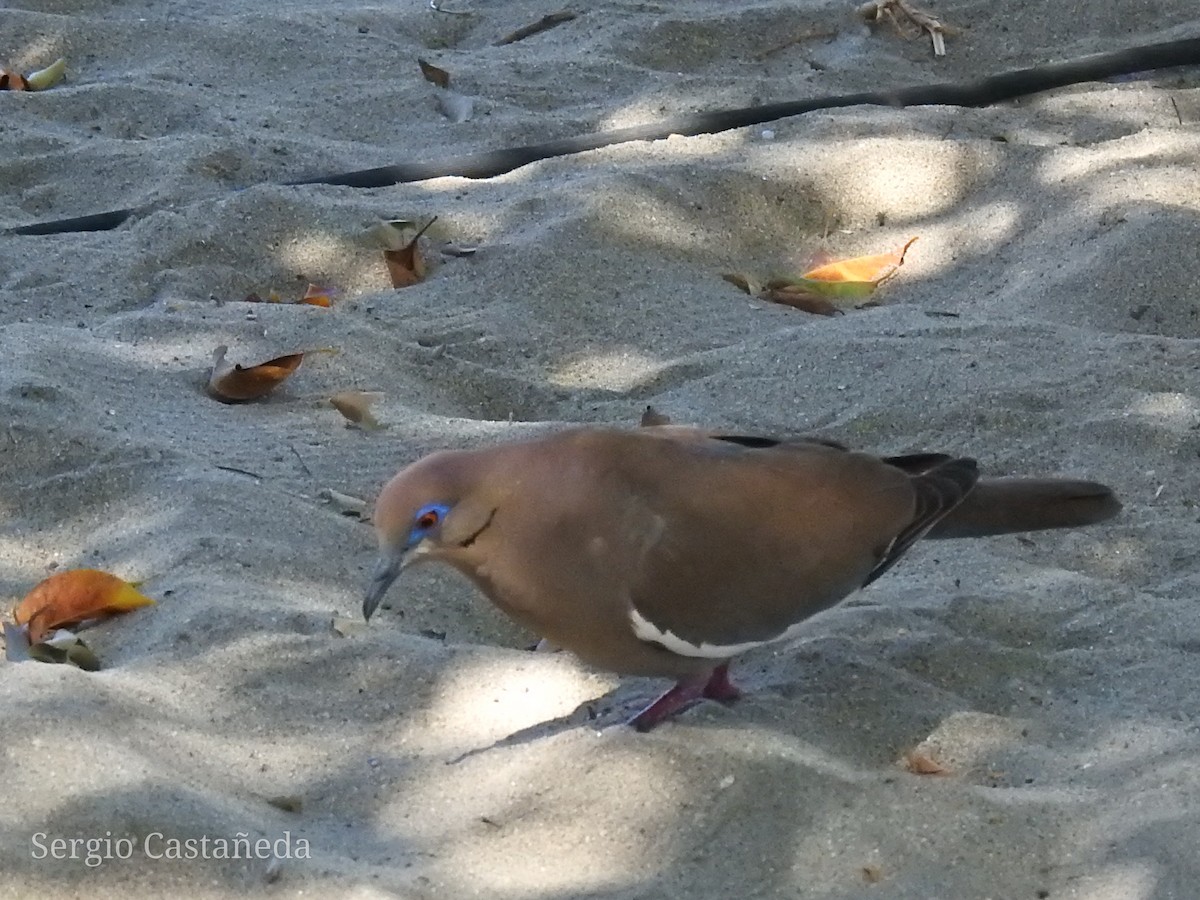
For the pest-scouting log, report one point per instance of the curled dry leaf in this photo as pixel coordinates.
(434, 74)
(406, 266)
(356, 407)
(34, 81)
(921, 763)
(800, 298)
(853, 278)
(13, 81)
(65, 647)
(652, 417)
(315, 295)
(460, 251)
(743, 282)
(74, 596)
(830, 288)
(346, 505)
(232, 383)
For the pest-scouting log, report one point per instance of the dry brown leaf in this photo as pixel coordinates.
(799, 298)
(920, 763)
(34, 81)
(315, 295)
(406, 266)
(356, 406)
(855, 277)
(231, 383)
(434, 74)
(67, 598)
(63, 646)
(13, 81)
(743, 282)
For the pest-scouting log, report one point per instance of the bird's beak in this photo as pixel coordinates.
(388, 567)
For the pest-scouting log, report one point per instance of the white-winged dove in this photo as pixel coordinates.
(667, 551)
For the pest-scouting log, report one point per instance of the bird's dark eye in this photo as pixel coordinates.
(427, 519)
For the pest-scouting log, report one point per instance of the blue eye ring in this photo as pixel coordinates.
(429, 517)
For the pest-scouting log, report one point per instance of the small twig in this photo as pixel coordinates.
(300, 459)
(799, 38)
(545, 23)
(1176, 106)
(875, 10)
(238, 471)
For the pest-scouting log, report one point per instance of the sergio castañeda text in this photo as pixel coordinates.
(96, 851)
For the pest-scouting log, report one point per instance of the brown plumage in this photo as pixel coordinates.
(668, 550)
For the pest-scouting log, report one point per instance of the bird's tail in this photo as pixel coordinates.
(1007, 505)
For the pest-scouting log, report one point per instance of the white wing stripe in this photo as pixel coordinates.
(647, 631)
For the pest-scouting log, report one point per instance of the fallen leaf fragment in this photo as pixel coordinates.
(920, 763)
(348, 627)
(800, 298)
(65, 647)
(47, 77)
(434, 74)
(356, 407)
(460, 251)
(13, 81)
(829, 288)
(315, 295)
(652, 417)
(34, 81)
(74, 596)
(344, 503)
(856, 277)
(231, 383)
(406, 266)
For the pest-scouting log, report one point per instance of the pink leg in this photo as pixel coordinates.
(719, 686)
(714, 686)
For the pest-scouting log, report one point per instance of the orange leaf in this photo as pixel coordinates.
(316, 295)
(433, 74)
(406, 265)
(70, 597)
(13, 81)
(863, 270)
(920, 763)
(233, 383)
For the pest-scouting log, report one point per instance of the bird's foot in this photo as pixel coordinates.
(719, 687)
(713, 686)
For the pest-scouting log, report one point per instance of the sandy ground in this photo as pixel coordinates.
(1045, 323)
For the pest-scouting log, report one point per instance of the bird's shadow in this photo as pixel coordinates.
(613, 710)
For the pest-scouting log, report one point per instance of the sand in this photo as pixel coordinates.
(1045, 323)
